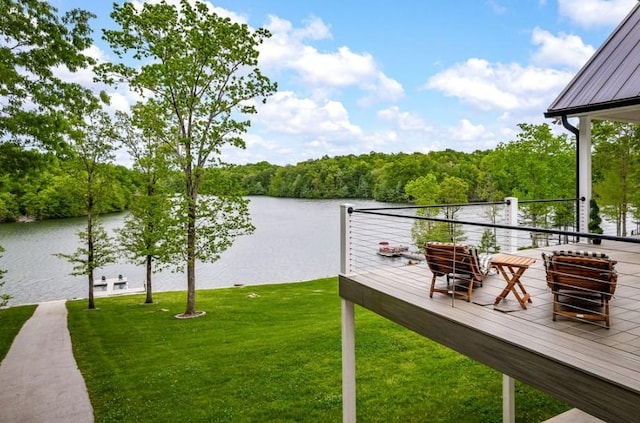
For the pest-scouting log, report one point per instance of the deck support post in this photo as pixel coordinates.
(508, 400)
(348, 363)
(512, 220)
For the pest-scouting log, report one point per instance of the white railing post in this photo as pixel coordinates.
(512, 220)
(508, 400)
(348, 362)
(346, 264)
(584, 173)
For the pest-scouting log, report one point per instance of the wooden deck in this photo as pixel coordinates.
(586, 365)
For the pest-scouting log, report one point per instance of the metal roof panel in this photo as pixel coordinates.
(610, 76)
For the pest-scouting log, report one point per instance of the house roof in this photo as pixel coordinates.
(608, 85)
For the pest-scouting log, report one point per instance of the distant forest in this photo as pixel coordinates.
(535, 165)
(39, 185)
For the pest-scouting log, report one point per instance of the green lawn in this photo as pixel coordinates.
(11, 320)
(272, 353)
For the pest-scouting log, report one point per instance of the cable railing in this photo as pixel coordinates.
(386, 238)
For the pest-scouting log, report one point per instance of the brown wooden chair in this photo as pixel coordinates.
(582, 284)
(459, 263)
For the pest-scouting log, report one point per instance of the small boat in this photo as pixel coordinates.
(386, 250)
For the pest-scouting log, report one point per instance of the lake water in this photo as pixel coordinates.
(294, 240)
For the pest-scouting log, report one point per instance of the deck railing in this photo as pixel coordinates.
(375, 238)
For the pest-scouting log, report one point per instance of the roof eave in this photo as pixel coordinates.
(592, 108)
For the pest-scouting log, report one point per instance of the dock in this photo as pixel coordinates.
(106, 287)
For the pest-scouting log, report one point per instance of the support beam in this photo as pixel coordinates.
(348, 362)
(508, 400)
(584, 172)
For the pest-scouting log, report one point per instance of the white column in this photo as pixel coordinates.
(584, 172)
(512, 220)
(346, 264)
(508, 400)
(348, 363)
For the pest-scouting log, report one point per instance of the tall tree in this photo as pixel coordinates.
(199, 73)
(144, 234)
(35, 104)
(616, 167)
(537, 165)
(453, 190)
(93, 147)
(424, 191)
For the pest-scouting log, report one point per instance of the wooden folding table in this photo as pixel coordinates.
(511, 268)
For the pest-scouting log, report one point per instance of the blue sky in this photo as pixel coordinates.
(357, 76)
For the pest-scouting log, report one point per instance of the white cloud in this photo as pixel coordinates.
(286, 113)
(382, 141)
(315, 29)
(564, 49)
(514, 87)
(595, 13)
(497, 8)
(96, 53)
(468, 132)
(288, 49)
(489, 86)
(340, 69)
(405, 121)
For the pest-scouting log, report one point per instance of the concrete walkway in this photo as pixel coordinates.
(39, 378)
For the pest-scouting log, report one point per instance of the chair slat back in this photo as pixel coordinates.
(589, 274)
(446, 258)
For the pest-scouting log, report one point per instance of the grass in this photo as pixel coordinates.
(273, 353)
(11, 321)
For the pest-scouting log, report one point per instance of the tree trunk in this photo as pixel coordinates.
(90, 258)
(191, 259)
(149, 299)
(92, 304)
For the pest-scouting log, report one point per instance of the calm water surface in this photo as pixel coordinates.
(294, 240)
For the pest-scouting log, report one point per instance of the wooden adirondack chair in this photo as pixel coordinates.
(459, 263)
(582, 284)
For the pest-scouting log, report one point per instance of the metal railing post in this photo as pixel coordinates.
(512, 220)
(346, 264)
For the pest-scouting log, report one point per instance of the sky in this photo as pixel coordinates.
(358, 76)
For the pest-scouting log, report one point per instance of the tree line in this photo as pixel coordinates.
(535, 165)
(39, 185)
